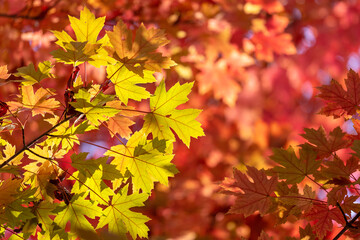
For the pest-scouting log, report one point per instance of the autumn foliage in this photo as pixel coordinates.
(35, 201)
(293, 189)
(93, 91)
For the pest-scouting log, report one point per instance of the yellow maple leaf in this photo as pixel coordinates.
(10, 151)
(164, 116)
(87, 28)
(86, 47)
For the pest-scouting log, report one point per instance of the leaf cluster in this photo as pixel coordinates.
(91, 198)
(318, 181)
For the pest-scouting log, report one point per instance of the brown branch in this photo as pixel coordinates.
(26, 147)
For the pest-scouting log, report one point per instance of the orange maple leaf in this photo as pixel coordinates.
(38, 102)
(257, 195)
(4, 72)
(120, 124)
(266, 44)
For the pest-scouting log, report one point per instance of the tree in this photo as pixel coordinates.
(256, 90)
(43, 197)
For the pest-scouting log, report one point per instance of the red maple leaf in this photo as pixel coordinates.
(338, 101)
(325, 146)
(255, 195)
(323, 217)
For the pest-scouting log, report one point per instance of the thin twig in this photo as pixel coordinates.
(26, 147)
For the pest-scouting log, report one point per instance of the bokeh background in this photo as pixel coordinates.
(256, 65)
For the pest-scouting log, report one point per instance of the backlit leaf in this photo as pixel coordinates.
(121, 219)
(323, 217)
(4, 72)
(87, 47)
(93, 108)
(138, 54)
(325, 146)
(120, 125)
(339, 101)
(32, 76)
(293, 169)
(145, 163)
(87, 28)
(91, 173)
(251, 196)
(38, 102)
(76, 53)
(164, 114)
(75, 213)
(126, 82)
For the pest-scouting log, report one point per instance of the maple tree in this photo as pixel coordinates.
(36, 199)
(254, 63)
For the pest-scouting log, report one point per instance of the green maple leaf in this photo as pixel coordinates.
(293, 169)
(91, 174)
(93, 109)
(126, 82)
(76, 211)
(145, 163)
(120, 219)
(16, 214)
(164, 114)
(32, 76)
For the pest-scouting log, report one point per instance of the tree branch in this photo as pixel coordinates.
(348, 224)
(34, 141)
